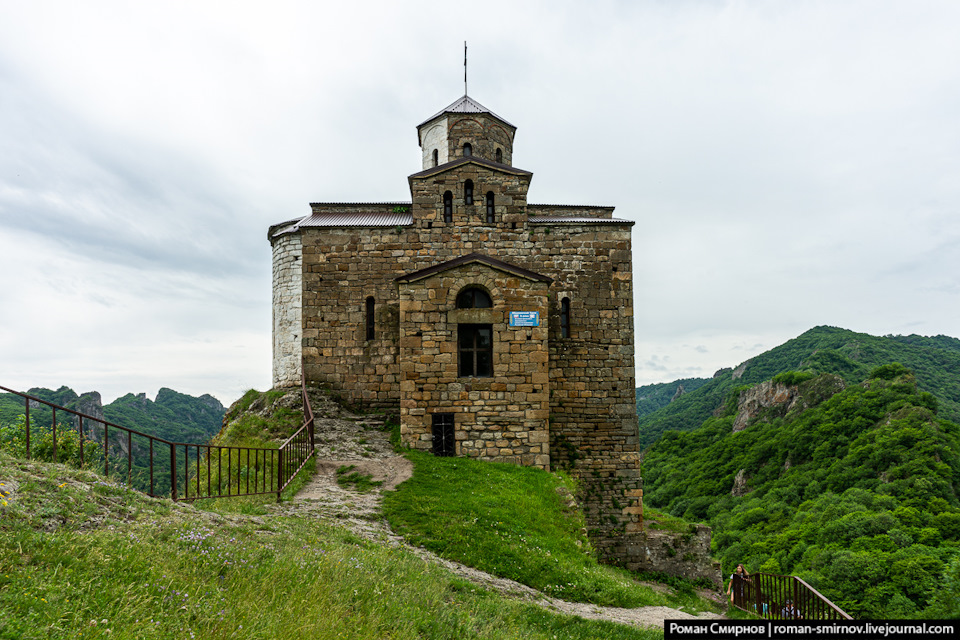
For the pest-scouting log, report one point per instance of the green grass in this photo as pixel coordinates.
(363, 482)
(513, 522)
(48, 497)
(656, 519)
(176, 572)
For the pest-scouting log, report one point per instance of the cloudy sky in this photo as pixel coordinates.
(788, 164)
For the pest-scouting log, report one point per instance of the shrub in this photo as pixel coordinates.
(793, 378)
(13, 438)
(889, 371)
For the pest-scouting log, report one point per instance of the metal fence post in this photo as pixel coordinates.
(279, 473)
(54, 429)
(26, 423)
(173, 472)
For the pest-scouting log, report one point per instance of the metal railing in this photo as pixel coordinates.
(777, 597)
(163, 468)
(298, 448)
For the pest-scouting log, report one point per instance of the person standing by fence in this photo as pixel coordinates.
(737, 585)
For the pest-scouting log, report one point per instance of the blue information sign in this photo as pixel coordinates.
(524, 318)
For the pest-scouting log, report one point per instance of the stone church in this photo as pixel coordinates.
(500, 329)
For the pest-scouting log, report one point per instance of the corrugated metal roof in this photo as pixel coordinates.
(569, 206)
(351, 219)
(466, 104)
(576, 220)
(361, 204)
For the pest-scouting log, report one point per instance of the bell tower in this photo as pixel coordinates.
(465, 128)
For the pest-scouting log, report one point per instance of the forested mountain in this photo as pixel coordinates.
(935, 361)
(852, 486)
(172, 416)
(656, 396)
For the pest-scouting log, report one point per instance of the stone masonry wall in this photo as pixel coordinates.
(503, 417)
(287, 310)
(483, 133)
(593, 427)
(592, 416)
(341, 268)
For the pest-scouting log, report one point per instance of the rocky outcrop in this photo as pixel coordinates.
(740, 484)
(91, 404)
(777, 399)
(680, 392)
(738, 372)
(210, 402)
(764, 396)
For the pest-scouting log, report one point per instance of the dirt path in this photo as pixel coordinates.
(346, 439)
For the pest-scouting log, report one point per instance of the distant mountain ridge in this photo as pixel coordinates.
(935, 361)
(172, 416)
(652, 397)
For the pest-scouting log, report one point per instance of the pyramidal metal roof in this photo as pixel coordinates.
(466, 104)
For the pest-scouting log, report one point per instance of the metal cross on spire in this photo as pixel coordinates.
(464, 67)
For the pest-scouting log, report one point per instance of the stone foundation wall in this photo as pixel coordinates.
(686, 555)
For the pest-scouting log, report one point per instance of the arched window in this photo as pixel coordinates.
(448, 207)
(468, 192)
(436, 157)
(370, 318)
(467, 149)
(565, 318)
(499, 154)
(490, 211)
(474, 298)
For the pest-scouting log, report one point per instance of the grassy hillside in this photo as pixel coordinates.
(514, 522)
(857, 494)
(935, 362)
(80, 557)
